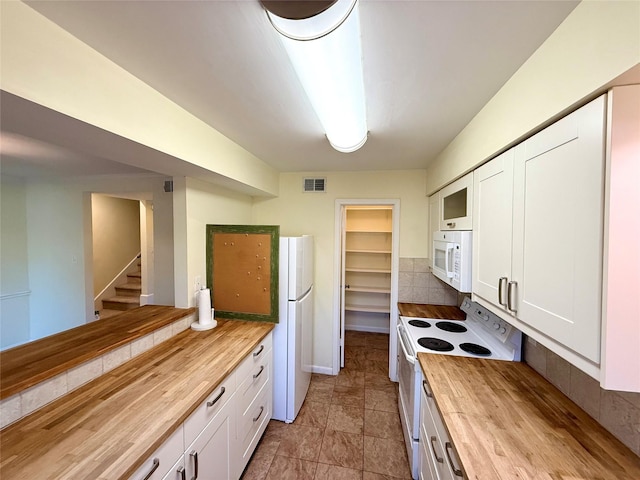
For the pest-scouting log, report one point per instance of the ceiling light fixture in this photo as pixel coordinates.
(325, 49)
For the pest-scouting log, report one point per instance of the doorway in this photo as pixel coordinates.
(366, 272)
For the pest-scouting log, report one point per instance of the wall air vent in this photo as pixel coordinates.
(315, 184)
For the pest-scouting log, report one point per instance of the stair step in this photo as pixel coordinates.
(121, 303)
(129, 290)
(135, 277)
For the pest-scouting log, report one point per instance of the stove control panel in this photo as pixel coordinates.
(491, 322)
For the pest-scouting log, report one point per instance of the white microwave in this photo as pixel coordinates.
(452, 258)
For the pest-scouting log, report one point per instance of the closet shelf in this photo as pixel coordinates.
(369, 231)
(368, 270)
(367, 308)
(366, 289)
(362, 250)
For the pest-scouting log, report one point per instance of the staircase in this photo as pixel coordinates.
(127, 295)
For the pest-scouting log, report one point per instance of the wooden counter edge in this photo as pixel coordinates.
(11, 387)
(424, 358)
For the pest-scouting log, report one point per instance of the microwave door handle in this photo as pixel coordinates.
(447, 259)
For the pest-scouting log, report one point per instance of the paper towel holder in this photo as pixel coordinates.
(205, 323)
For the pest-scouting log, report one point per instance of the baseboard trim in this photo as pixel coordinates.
(146, 299)
(322, 370)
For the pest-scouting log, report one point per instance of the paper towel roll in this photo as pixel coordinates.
(204, 307)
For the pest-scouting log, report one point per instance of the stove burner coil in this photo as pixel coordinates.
(475, 349)
(435, 344)
(419, 323)
(451, 327)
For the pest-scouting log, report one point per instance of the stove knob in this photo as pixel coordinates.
(496, 326)
(503, 330)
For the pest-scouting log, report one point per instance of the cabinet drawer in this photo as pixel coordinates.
(199, 419)
(257, 409)
(163, 459)
(253, 422)
(255, 358)
(253, 383)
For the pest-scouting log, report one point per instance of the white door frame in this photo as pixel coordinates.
(342, 203)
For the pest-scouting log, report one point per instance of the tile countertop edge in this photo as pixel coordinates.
(570, 440)
(99, 419)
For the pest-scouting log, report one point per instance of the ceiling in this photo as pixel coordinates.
(429, 67)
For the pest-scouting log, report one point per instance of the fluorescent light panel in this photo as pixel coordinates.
(330, 70)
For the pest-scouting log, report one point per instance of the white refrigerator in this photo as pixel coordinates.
(293, 335)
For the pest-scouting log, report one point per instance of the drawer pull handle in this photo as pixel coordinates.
(259, 372)
(426, 390)
(511, 287)
(156, 464)
(194, 454)
(451, 224)
(433, 449)
(215, 400)
(502, 283)
(456, 471)
(182, 472)
(255, 354)
(259, 415)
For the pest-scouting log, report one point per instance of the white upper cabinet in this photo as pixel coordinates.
(558, 208)
(492, 228)
(456, 202)
(538, 229)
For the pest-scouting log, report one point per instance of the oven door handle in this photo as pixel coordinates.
(402, 336)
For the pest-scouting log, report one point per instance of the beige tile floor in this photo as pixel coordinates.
(348, 427)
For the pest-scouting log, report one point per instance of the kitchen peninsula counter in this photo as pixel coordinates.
(506, 422)
(110, 426)
(26, 365)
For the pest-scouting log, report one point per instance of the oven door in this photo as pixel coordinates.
(409, 378)
(443, 260)
(408, 406)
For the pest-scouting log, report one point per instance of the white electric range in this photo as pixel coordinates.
(481, 335)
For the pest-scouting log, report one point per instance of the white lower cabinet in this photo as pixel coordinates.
(211, 455)
(177, 472)
(438, 458)
(159, 465)
(217, 440)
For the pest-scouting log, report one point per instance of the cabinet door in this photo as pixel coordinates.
(177, 472)
(212, 454)
(492, 228)
(558, 225)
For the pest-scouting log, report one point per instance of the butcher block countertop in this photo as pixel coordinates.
(109, 427)
(23, 366)
(443, 312)
(508, 422)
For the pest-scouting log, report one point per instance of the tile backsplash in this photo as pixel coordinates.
(618, 412)
(416, 284)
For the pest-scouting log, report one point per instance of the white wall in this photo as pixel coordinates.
(595, 44)
(53, 228)
(197, 204)
(14, 271)
(45, 64)
(300, 213)
(56, 258)
(163, 282)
